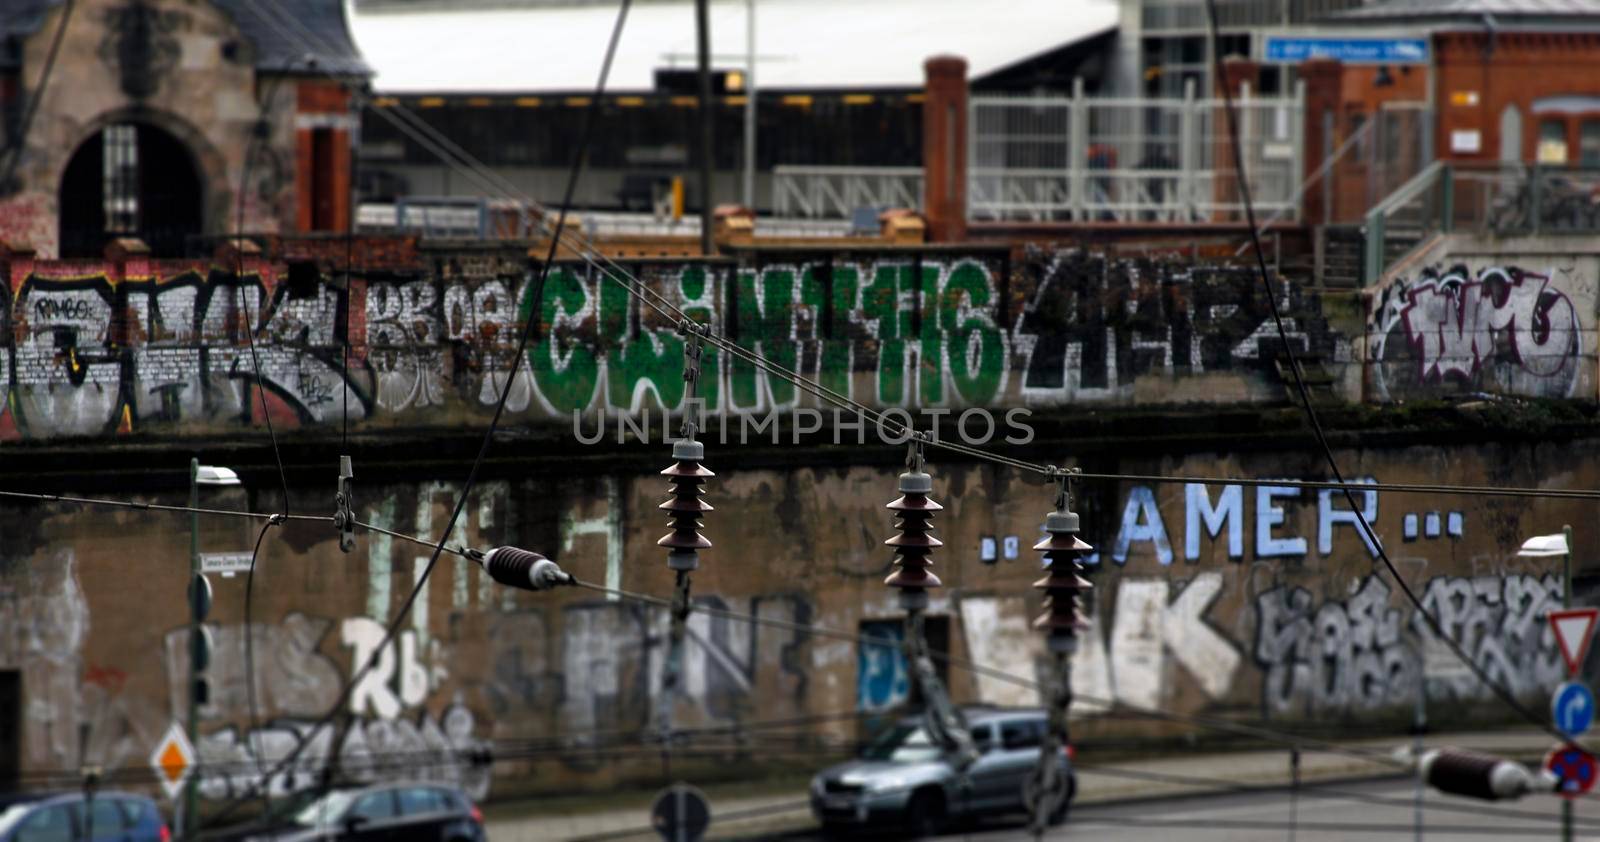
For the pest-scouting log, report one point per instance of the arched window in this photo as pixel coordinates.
(130, 180)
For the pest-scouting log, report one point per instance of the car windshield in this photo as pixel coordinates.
(325, 810)
(903, 744)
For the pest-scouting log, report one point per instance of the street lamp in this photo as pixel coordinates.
(199, 606)
(1549, 546)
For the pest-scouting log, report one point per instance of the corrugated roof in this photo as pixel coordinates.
(283, 32)
(288, 32)
(802, 44)
(1442, 10)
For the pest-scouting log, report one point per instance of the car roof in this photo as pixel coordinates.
(979, 715)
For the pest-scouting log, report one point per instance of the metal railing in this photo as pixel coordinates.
(1104, 159)
(838, 192)
(1409, 217)
(1493, 200)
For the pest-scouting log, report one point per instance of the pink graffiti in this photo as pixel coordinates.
(1454, 323)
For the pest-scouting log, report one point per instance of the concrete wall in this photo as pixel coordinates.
(163, 348)
(1262, 604)
(1476, 316)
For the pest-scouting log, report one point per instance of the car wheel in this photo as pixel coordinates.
(1058, 816)
(925, 815)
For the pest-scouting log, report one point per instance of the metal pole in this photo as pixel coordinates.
(190, 727)
(1566, 602)
(1419, 724)
(750, 107)
(702, 26)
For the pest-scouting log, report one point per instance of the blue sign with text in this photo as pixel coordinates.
(1350, 50)
(1572, 708)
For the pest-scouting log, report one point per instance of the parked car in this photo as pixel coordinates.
(113, 817)
(391, 812)
(903, 779)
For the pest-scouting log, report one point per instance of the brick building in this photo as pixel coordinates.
(1513, 80)
(155, 111)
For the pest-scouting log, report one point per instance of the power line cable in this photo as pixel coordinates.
(15, 158)
(1241, 729)
(250, 654)
(579, 158)
(258, 135)
(1243, 184)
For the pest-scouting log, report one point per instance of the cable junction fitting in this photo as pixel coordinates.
(344, 518)
(1483, 776)
(913, 518)
(1049, 788)
(518, 568)
(687, 478)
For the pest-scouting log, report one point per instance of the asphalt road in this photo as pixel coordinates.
(1366, 810)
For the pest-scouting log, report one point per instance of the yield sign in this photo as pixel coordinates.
(173, 760)
(1574, 631)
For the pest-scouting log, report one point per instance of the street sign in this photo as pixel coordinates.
(1573, 767)
(173, 760)
(1572, 708)
(225, 563)
(1574, 631)
(1349, 50)
(680, 814)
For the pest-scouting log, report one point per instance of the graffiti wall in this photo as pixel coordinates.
(1261, 602)
(167, 347)
(1508, 325)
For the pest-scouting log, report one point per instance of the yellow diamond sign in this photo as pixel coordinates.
(173, 760)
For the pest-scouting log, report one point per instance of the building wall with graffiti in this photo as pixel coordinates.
(1497, 317)
(426, 338)
(1259, 603)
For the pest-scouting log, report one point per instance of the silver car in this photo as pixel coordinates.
(903, 779)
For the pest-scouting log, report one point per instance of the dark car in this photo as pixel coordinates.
(903, 778)
(393, 812)
(113, 817)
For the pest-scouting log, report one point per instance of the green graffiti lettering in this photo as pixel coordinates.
(697, 285)
(832, 338)
(565, 370)
(650, 360)
(977, 385)
(766, 326)
(931, 359)
(880, 303)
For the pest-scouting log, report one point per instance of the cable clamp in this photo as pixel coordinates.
(344, 518)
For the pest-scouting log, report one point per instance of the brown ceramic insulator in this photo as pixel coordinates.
(687, 478)
(1062, 584)
(915, 542)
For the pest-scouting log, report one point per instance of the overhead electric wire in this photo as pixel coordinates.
(1367, 532)
(1113, 707)
(250, 655)
(580, 155)
(251, 150)
(238, 276)
(26, 125)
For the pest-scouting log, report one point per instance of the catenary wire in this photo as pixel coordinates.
(26, 125)
(457, 158)
(250, 652)
(251, 150)
(579, 157)
(1115, 707)
(1243, 184)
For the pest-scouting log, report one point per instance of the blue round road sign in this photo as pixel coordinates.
(1572, 708)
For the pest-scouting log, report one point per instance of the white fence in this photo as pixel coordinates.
(1077, 159)
(838, 192)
